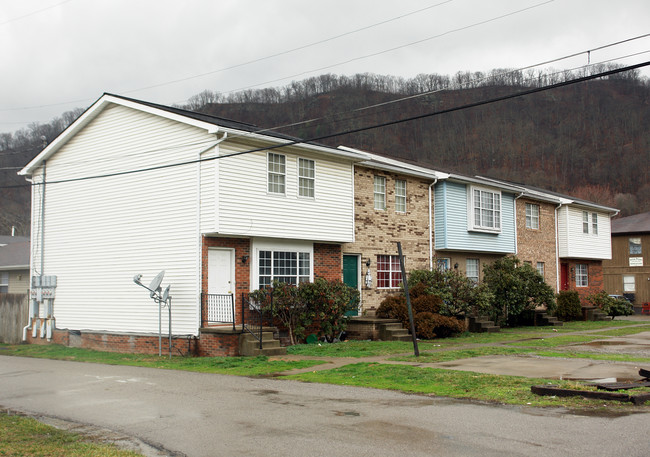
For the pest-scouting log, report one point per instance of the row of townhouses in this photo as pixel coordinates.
(135, 188)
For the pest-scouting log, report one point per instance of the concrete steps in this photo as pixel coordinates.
(250, 346)
(543, 319)
(392, 330)
(481, 324)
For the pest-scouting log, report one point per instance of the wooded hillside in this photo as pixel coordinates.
(590, 139)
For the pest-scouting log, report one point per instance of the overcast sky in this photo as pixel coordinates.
(60, 54)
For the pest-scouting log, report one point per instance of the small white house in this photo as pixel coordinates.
(135, 188)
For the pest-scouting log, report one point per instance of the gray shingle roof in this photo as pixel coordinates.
(639, 223)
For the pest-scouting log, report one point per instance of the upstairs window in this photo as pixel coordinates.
(389, 273)
(585, 222)
(380, 193)
(594, 223)
(400, 196)
(306, 177)
(532, 216)
(471, 270)
(486, 210)
(277, 169)
(582, 275)
(635, 246)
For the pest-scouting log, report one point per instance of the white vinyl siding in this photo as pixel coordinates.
(101, 232)
(574, 243)
(247, 209)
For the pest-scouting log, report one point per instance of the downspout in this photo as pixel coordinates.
(198, 222)
(43, 218)
(514, 204)
(30, 308)
(431, 224)
(557, 249)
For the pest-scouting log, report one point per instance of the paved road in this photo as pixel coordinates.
(197, 414)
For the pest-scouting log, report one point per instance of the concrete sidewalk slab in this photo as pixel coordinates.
(545, 367)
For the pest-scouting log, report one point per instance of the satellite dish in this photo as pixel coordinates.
(155, 284)
(137, 278)
(166, 294)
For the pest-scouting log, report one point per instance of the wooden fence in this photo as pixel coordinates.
(13, 317)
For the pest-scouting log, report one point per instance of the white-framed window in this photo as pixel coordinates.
(306, 178)
(389, 273)
(635, 246)
(472, 269)
(443, 263)
(629, 284)
(291, 267)
(400, 195)
(380, 192)
(486, 209)
(582, 275)
(4, 282)
(540, 268)
(594, 223)
(585, 222)
(532, 216)
(277, 170)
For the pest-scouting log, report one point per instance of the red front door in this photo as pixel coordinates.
(564, 276)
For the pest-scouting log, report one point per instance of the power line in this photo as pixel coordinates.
(356, 130)
(34, 12)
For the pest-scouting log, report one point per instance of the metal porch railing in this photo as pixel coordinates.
(221, 308)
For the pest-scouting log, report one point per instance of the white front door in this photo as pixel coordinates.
(220, 271)
(221, 281)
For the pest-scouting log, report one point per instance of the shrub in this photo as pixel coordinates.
(517, 290)
(610, 305)
(458, 294)
(426, 304)
(424, 325)
(445, 326)
(394, 307)
(298, 307)
(568, 306)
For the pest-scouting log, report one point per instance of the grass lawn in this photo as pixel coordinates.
(453, 384)
(241, 366)
(24, 436)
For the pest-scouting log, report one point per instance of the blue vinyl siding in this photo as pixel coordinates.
(451, 223)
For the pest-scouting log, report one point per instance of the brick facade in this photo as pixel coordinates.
(538, 245)
(377, 231)
(594, 277)
(328, 261)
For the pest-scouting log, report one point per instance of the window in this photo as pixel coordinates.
(284, 266)
(540, 268)
(532, 216)
(276, 166)
(585, 222)
(486, 210)
(443, 264)
(471, 270)
(400, 196)
(635, 246)
(594, 223)
(629, 284)
(306, 177)
(582, 275)
(380, 193)
(389, 274)
(4, 282)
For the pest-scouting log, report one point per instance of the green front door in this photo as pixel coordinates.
(351, 278)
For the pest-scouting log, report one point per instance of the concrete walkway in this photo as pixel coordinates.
(529, 365)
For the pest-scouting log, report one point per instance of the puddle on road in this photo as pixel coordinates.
(346, 413)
